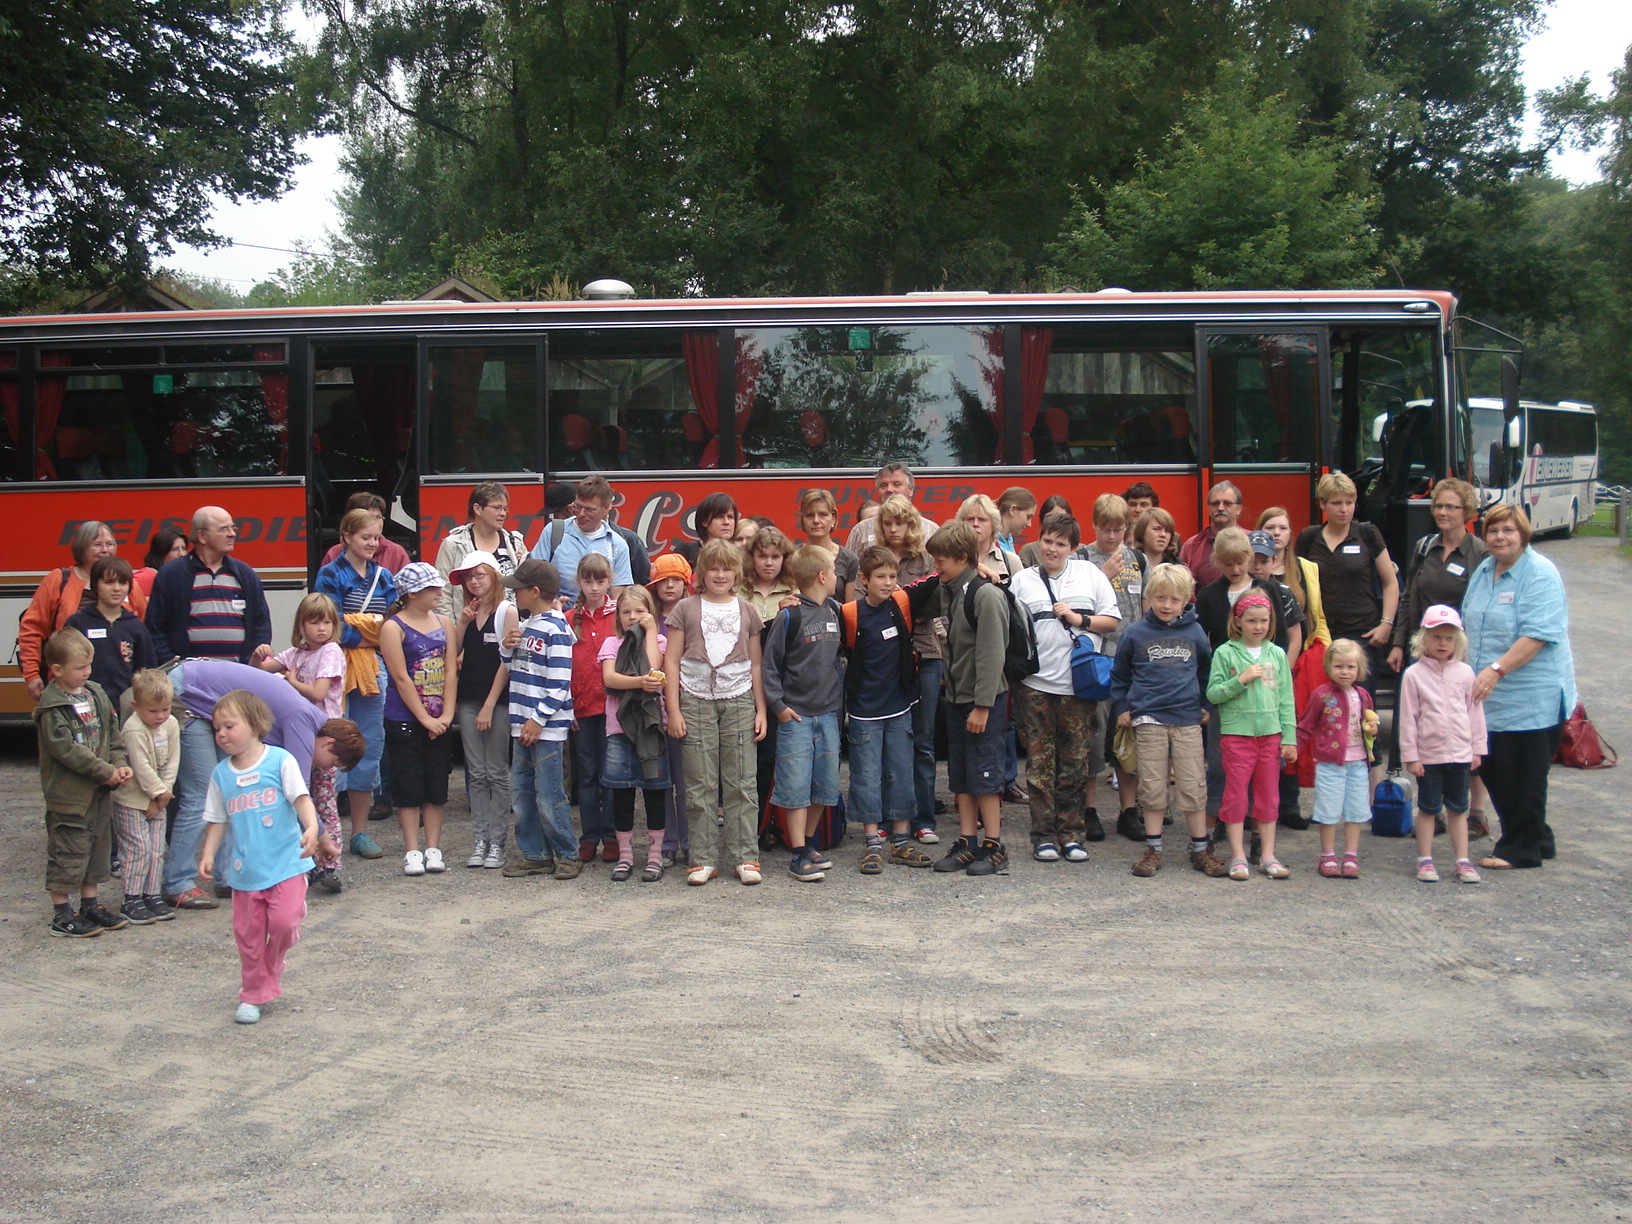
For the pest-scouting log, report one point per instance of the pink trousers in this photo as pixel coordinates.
(1255, 761)
(266, 924)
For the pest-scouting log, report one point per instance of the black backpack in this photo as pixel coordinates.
(1020, 651)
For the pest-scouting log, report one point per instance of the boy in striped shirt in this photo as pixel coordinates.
(539, 654)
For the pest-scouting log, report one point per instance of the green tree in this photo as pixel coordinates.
(1232, 200)
(118, 119)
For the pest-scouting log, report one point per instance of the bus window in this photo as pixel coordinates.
(100, 419)
(843, 396)
(482, 405)
(1487, 433)
(624, 399)
(10, 415)
(1265, 396)
(1396, 376)
(1116, 394)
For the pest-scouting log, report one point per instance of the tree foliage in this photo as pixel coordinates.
(118, 117)
(1231, 200)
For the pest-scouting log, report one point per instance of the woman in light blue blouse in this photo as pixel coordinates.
(1518, 626)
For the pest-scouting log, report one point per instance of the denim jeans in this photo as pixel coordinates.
(588, 763)
(539, 795)
(198, 760)
(881, 769)
(369, 715)
(807, 762)
(923, 742)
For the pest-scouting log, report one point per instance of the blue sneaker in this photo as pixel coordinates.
(247, 1013)
(818, 859)
(364, 846)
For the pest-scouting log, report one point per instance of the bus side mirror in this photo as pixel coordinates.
(1498, 466)
(1510, 388)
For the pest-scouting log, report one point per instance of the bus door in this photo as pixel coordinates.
(481, 417)
(1263, 395)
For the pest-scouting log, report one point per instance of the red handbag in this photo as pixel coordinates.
(1580, 746)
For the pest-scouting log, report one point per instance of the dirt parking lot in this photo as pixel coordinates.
(1065, 1043)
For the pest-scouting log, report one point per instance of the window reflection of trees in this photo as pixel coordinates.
(819, 403)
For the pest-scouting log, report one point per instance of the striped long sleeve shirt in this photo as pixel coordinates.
(541, 676)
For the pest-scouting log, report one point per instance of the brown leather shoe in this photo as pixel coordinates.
(1207, 863)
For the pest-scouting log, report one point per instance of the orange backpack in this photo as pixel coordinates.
(847, 614)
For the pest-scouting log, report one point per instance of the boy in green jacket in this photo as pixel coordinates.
(1251, 684)
(82, 758)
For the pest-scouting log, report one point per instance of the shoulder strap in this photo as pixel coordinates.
(904, 602)
(558, 531)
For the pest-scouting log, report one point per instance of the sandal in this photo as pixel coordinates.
(652, 874)
(1351, 866)
(1329, 867)
(1274, 869)
(1238, 869)
(1495, 864)
(622, 871)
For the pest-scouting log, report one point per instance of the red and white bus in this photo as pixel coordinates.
(279, 415)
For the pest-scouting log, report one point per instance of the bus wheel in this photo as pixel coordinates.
(1575, 519)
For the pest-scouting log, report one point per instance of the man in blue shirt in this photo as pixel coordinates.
(587, 531)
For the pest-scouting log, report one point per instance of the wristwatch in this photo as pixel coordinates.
(1497, 668)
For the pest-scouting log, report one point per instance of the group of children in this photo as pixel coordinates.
(670, 691)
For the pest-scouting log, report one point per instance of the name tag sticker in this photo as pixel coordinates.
(96, 633)
(891, 632)
(490, 638)
(249, 779)
(238, 605)
(1136, 588)
(1506, 597)
(1455, 570)
(1352, 548)
(832, 626)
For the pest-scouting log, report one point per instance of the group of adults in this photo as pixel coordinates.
(1513, 607)
(200, 603)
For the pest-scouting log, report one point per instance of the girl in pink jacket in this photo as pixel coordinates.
(1442, 736)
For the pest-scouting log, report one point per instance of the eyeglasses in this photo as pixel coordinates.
(1228, 501)
(1457, 506)
(580, 508)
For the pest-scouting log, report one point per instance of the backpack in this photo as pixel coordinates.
(848, 615)
(1020, 647)
(1391, 809)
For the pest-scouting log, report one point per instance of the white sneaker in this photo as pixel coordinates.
(495, 856)
(433, 859)
(478, 855)
(413, 863)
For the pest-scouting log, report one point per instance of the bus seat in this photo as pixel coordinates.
(615, 444)
(813, 428)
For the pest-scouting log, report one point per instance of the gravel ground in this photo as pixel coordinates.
(1063, 1043)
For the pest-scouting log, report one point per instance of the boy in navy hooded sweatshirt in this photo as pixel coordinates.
(1157, 684)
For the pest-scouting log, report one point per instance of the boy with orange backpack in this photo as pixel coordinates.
(881, 688)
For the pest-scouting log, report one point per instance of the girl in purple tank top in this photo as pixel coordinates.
(418, 646)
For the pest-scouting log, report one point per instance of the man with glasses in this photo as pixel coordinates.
(1196, 555)
(206, 605)
(585, 532)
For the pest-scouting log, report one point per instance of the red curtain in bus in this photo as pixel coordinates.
(702, 352)
(1035, 345)
(48, 396)
(275, 392)
(8, 396)
(1276, 353)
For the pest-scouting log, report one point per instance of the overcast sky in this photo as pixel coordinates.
(1582, 36)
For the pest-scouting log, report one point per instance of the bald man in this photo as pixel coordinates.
(208, 604)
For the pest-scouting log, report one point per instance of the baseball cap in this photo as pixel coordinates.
(1441, 614)
(1262, 543)
(558, 496)
(535, 573)
(670, 565)
(471, 561)
(417, 576)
